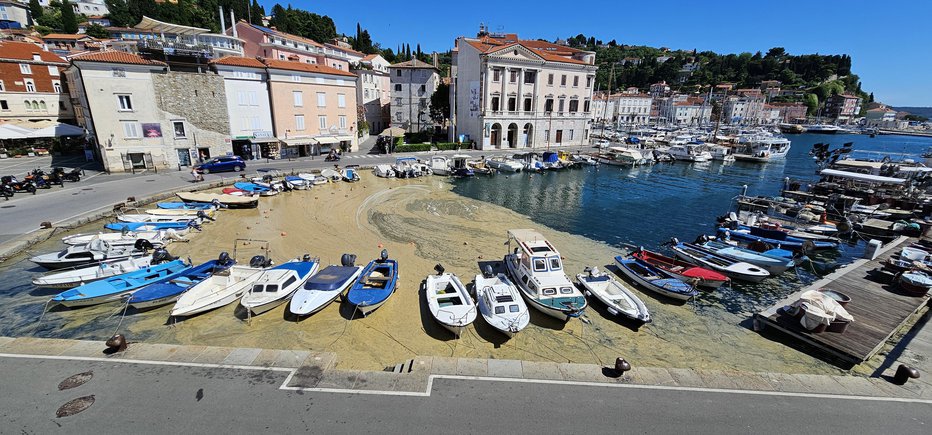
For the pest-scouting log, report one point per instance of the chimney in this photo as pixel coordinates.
(233, 22)
(436, 59)
(223, 24)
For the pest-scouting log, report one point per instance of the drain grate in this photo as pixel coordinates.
(74, 381)
(75, 406)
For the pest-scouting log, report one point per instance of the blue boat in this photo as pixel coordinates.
(156, 295)
(250, 187)
(375, 284)
(772, 260)
(189, 205)
(772, 237)
(654, 279)
(120, 286)
(150, 226)
(324, 287)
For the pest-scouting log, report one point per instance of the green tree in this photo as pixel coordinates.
(119, 15)
(97, 31)
(69, 21)
(256, 12)
(812, 104)
(50, 19)
(35, 8)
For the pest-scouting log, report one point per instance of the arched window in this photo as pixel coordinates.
(42, 105)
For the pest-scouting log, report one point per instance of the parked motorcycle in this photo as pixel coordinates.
(6, 191)
(41, 180)
(18, 186)
(73, 175)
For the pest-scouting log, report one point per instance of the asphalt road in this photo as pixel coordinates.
(23, 213)
(140, 398)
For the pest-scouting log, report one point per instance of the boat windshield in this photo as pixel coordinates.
(555, 263)
(540, 264)
(499, 310)
(257, 288)
(513, 308)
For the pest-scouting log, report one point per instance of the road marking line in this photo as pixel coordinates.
(430, 381)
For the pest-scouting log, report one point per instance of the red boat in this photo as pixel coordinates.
(686, 272)
(234, 191)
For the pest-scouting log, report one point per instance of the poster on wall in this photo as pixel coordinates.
(475, 95)
(152, 130)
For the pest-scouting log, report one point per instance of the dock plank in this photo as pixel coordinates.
(879, 308)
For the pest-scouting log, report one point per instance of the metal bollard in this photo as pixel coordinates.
(117, 343)
(905, 373)
(621, 366)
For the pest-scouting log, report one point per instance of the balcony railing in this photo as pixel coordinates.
(170, 48)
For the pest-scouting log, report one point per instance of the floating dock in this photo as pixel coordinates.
(878, 307)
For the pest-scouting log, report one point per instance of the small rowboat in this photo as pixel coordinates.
(617, 297)
(449, 303)
(654, 280)
(375, 285)
(684, 271)
(733, 268)
(231, 201)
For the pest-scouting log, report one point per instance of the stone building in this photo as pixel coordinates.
(413, 83)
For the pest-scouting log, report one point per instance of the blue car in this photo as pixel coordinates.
(221, 164)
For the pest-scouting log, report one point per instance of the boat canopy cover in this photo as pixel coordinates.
(550, 157)
(862, 177)
(331, 278)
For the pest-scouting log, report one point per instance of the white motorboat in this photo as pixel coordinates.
(440, 165)
(92, 253)
(504, 164)
(762, 149)
(733, 268)
(331, 174)
(722, 153)
(231, 201)
(690, 152)
(314, 180)
(536, 268)
(825, 129)
(500, 303)
(156, 238)
(584, 159)
(617, 297)
(619, 156)
(324, 287)
(179, 212)
(220, 289)
(384, 171)
(83, 275)
(278, 284)
(449, 303)
(148, 218)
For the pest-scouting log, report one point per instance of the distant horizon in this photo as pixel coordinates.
(889, 62)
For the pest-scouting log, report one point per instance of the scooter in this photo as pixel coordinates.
(6, 191)
(73, 175)
(18, 186)
(41, 180)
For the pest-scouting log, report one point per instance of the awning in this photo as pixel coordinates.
(263, 139)
(862, 177)
(55, 129)
(8, 131)
(325, 140)
(59, 131)
(345, 138)
(297, 142)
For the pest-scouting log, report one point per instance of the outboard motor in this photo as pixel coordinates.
(348, 260)
(306, 258)
(259, 261)
(224, 258)
(216, 203)
(161, 255)
(384, 255)
(439, 269)
(759, 246)
(202, 215)
(487, 271)
(701, 239)
(143, 245)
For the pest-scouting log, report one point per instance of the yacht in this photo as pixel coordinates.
(690, 152)
(623, 157)
(536, 268)
(824, 129)
(722, 153)
(762, 149)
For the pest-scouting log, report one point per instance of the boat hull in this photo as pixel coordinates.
(639, 280)
(562, 314)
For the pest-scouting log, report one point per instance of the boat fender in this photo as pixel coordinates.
(348, 260)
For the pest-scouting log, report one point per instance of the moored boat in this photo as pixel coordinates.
(375, 285)
(618, 299)
(157, 295)
(120, 286)
(448, 302)
(654, 280)
(82, 275)
(774, 261)
(231, 201)
(536, 268)
(93, 252)
(278, 284)
(733, 268)
(503, 164)
(500, 303)
(682, 270)
(220, 289)
(324, 287)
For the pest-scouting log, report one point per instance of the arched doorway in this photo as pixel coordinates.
(496, 139)
(513, 135)
(528, 135)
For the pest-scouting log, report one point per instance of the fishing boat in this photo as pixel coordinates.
(775, 261)
(448, 302)
(149, 218)
(500, 303)
(150, 226)
(120, 286)
(221, 289)
(230, 201)
(384, 171)
(654, 280)
(350, 173)
(619, 300)
(459, 166)
(157, 295)
(440, 165)
(248, 187)
(94, 252)
(479, 167)
(684, 271)
(296, 182)
(504, 164)
(156, 238)
(189, 206)
(331, 174)
(733, 268)
(324, 287)
(690, 152)
(376, 283)
(536, 268)
(276, 285)
(84, 274)
(773, 237)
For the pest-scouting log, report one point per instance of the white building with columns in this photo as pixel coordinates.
(513, 93)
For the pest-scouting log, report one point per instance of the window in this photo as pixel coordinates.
(130, 129)
(548, 105)
(398, 88)
(341, 100)
(53, 70)
(366, 94)
(1, 86)
(299, 122)
(296, 78)
(547, 135)
(322, 120)
(527, 104)
(569, 134)
(513, 76)
(118, 72)
(321, 99)
(342, 121)
(42, 105)
(530, 77)
(496, 75)
(562, 105)
(574, 106)
(178, 126)
(398, 101)
(4, 105)
(423, 89)
(550, 79)
(575, 81)
(298, 98)
(495, 104)
(500, 309)
(320, 80)
(56, 86)
(25, 68)
(586, 106)
(540, 265)
(512, 103)
(30, 85)
(563, 80)
(126, 103)
(398, 73)
(589, 82)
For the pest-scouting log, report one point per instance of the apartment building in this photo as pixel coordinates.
(373, 91)
(271, 43)
(31, 84)
(413, 83)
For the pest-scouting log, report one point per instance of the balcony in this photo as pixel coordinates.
(169, 48)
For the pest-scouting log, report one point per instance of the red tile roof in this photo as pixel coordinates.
(547, 51)
(306, 67)
(249, 62)
(369, 57)
(66, 36)
(13, 50)
(348, 50)
(413, 63)
(111, 56)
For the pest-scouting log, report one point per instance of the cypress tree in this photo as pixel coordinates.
(69, 22)
(35, 8)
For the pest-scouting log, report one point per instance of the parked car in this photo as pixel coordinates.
(221, 164)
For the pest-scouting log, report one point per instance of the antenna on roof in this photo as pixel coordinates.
(483, 30)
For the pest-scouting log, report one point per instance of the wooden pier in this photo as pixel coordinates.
(878, 307)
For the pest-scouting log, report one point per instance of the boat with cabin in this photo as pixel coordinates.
(500, 303)
(536, 268)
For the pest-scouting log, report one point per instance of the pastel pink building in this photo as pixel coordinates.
(270, 43)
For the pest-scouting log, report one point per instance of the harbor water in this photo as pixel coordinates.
(588, 214)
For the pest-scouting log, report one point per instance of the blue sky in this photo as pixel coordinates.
(890, 41)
